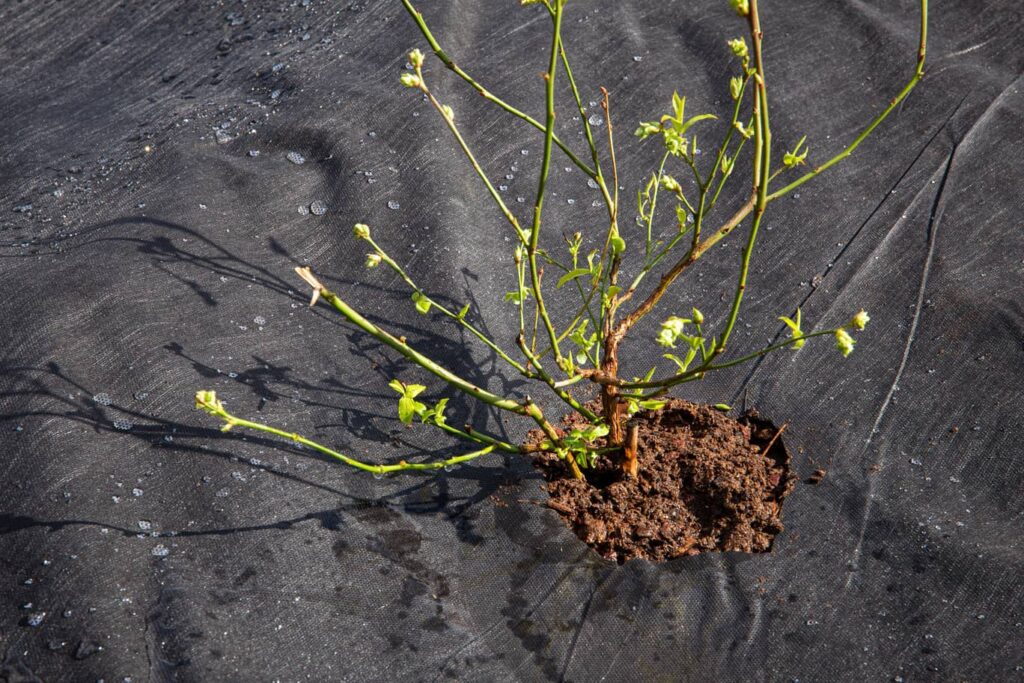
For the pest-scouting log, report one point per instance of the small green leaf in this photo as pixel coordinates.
(572, 275)
(408, 408)
(618, 244)
(652, 404)
(724, 407)
(423, 303)
(463, 312)
(397, 386)
(696, 119)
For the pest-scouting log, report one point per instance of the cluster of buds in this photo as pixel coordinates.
(414, 78)
(674, 329)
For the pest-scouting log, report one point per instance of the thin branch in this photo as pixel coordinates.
(918, 75)
(486, 94)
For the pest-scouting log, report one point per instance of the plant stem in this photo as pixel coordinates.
(509, 216)
(486, 94)
(549, 134)
(918, 75)
(685, 262)
(454, 316)
(233, 421)
(562, 393)
(762, 171)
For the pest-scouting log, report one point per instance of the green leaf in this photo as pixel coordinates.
(517, 297)
(652, 404)
(695, 119)
(397, 386)
(463, 312)
(435, 415)
(423, 303)
(414, 390)
(724, 407)
(618, 244)
(572, 275)
(408, 408)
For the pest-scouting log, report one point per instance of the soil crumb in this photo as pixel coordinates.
(705, 483)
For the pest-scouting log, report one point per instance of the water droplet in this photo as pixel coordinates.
(303, 210)
(137, 492)
(570, 201)
(638, 58)
(449, 467)
(254, 153)
(509, 176)
(223, 493)
(520, 199)
(318, 208)
(592, 184)
(145, 525)
(35, 619)
(595, 120)
(123, 425)
(223, 137)
(378, 475)
(23, 208)
(393, 205)
(160, 550)
(524, 152)
(503, 188)
(233, 375)
(103, 399)
(260, 320)
(296, 158)
(140, 395)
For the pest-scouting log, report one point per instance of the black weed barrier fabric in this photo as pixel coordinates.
(152, 212)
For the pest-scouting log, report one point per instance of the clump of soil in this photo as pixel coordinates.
(706, 482)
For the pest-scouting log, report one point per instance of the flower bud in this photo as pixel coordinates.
(844, 342)
(362, 231)
(735, 87)
(410, 80)
(739, 47)
(416, 59)
(742, 7)
(670, 184)
(647, 129)
(372, 260)
(698, 317)
(860, 321)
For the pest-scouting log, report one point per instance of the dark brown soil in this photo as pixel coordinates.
(705, 483)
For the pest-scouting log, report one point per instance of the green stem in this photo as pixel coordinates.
(454, 316)
(562, 394)
(549, 134)
(486, 94)
(918, 75)
(231, 421)
(762, 171)
(704, 368)
(476, 165)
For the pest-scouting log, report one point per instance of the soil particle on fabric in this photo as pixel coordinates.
(706, 482)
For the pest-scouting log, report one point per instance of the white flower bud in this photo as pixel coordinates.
(860, 321)
(844, 342)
